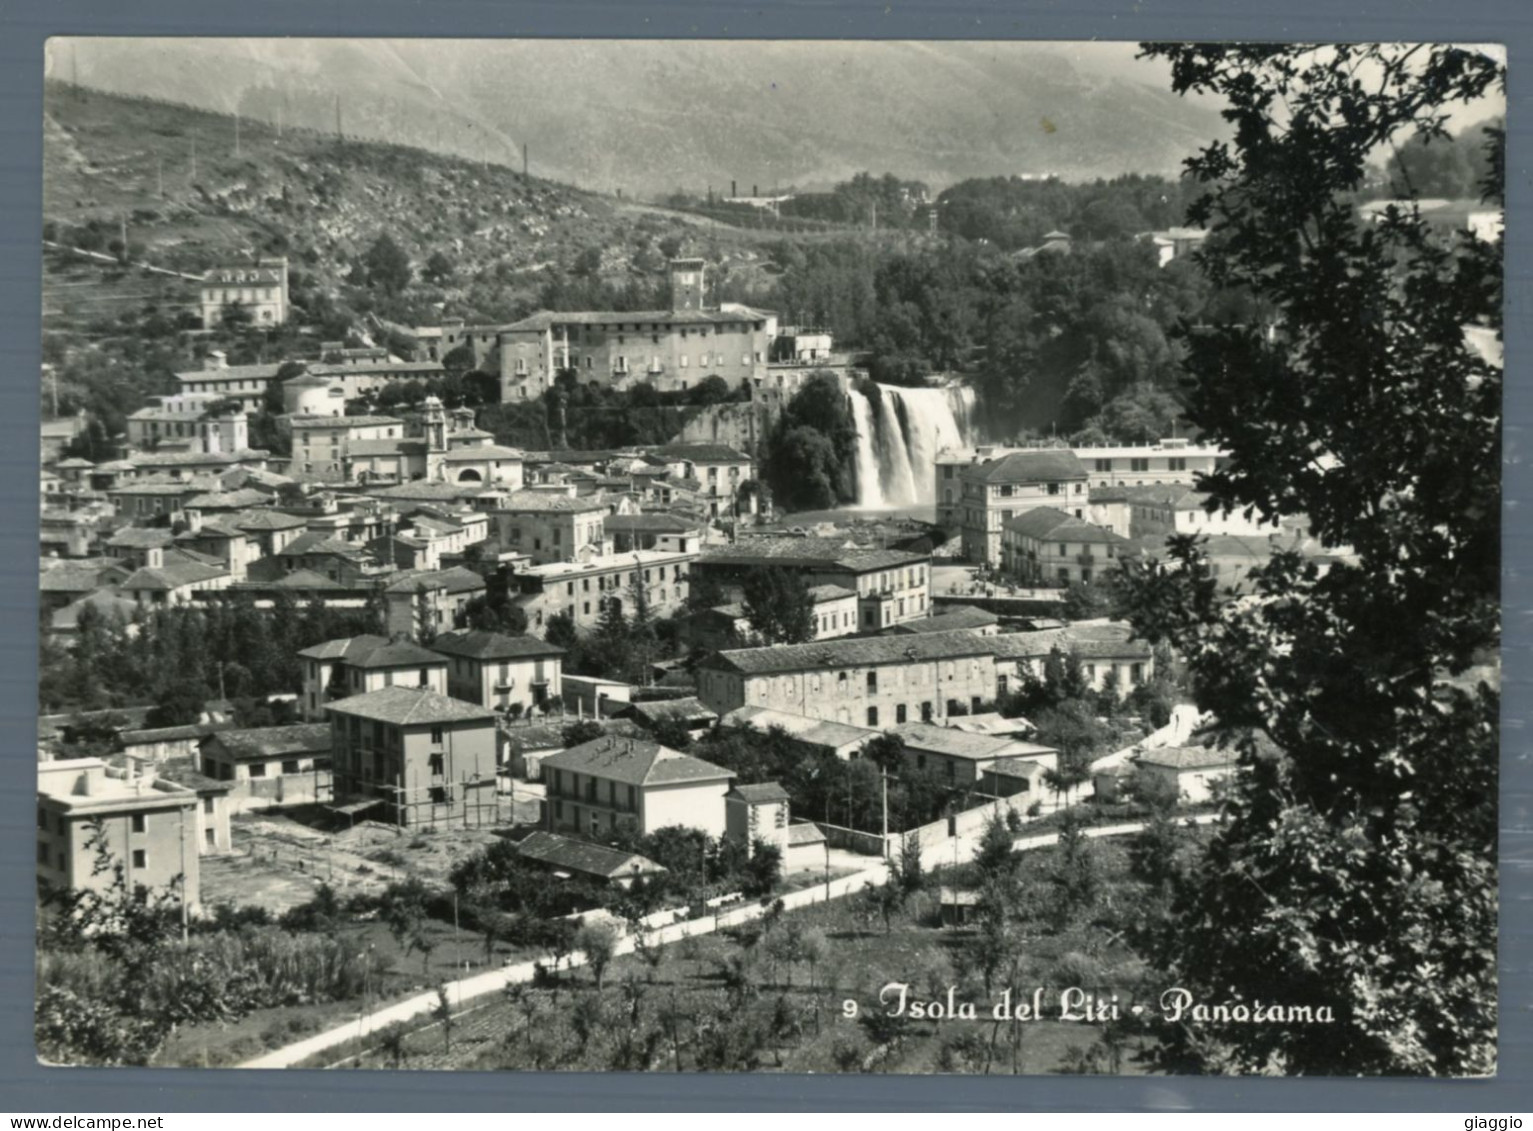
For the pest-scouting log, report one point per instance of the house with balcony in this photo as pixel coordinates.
(414, 757)
(614, 782)
(993, 491)
(496, 670)
(355, 665)
(1046, 546)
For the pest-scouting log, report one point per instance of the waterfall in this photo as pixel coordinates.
(898, 440)
(869, 481)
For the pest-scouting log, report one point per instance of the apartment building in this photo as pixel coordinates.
(414, 757)
(877, 682)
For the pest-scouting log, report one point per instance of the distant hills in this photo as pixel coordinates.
(648, 117)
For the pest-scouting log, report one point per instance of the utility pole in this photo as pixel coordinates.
(884, 778)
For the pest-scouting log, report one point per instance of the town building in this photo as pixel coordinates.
(815, 736)
(247, 384)
(430, 601)
(564, 856)
(501, 671)
(994, 490)
(671, 350)
(1148, 465)
(172, 577)
(1192, 772)
(757, 812)
(355, 665)
(268, 767)
(892, 586)
(258, 290)
(611, 783)
(1045, 546)
(960, 758)
(323, 444)
(720, 469)
(727, 626)
(580, 589)
(949, 618)
(653, 531)
(89, 813)
(414, 756)
(878, 682)
(551, 526)
(1177, 509)
(1106, 652)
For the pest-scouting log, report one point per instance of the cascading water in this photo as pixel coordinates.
(899, 437)
(869, 481)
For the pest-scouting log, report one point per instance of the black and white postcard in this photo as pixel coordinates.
(768, 556)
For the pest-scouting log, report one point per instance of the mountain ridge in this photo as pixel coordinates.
(648, 117)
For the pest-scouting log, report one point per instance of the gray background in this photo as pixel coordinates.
(27, 1088)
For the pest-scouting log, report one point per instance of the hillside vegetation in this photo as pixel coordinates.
(191, 193)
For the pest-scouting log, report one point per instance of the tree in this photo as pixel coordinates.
(561, 632)
(438, 269)
(995, 858)
(1355, 868)
(598, 942)
(581, 731)
(386, 265)
(764, 870)
(778, 605)
(908, 872)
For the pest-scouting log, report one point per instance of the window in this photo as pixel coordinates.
(42, 819)
(683, 360)
(872, 716)
(207, 806)
(211, 837)
(1177, 463)
(1104, 465)
(138, 822)
(140, 858)
(899, 713)
(1136, 673)
(288, 767)
(952, 706)
(436, 736)
(1064, 549)
(873, 682)
(436, 765)
(42, 853)
(1053, 488)
(1140, 464)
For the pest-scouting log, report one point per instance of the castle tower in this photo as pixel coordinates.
(687, 284)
